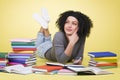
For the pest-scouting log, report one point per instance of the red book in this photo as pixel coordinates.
(2, 59)
(49, 68)
(24, 49)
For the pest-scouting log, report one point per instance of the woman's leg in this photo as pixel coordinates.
(47, 35)
(40, 37)
(47, 44)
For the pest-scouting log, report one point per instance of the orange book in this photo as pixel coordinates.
(49, 68)
(106, 64)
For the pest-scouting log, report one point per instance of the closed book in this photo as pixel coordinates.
(22, 43)
(102, 54)
(23, 46)
(2, 59)
(23, 52)
(103, 64)
(48, 68)
(14, 63)
(24, 49)
(22, 40)
(19, 54)
(103, 60)
(107, 67)
(2, 64)
(3, 54)
(15, 60)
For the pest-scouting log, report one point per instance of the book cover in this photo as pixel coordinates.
(20, 54)
(24, 49)
(103, 64)
(22, 43)
(14, 63)
(101, 54)
(48, 68)
(22, 40)
(23, 46)
(103, 60)
(3, 54)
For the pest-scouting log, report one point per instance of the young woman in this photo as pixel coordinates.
(68, 43)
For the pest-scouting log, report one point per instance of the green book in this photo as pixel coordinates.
(3, 54)
(23, 43)
(107, 67)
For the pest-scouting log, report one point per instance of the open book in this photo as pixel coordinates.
(64, 65)
(89, 71)
(80, 69)
(20, 69)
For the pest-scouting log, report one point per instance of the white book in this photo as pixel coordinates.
(64, 65)
(89, 70)
(20, 69)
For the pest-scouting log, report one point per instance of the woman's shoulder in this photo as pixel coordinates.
(58, 34)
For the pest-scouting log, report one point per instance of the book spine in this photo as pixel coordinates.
(101, 54)
(3, 55)
(23, 46)
(24, 49)
(14, 54)
(18, 56)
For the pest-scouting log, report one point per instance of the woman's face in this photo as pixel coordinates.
(71, 25)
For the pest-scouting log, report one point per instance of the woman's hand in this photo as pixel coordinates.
(73, 38)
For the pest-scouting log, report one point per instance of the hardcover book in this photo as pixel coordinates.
(48, 68)
(101, 54)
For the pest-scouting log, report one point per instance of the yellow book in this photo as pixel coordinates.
(106, 59)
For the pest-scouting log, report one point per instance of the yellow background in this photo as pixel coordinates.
(16, 22)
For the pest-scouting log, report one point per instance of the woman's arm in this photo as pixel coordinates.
(78, 59)
(72, 41)
(63, 54)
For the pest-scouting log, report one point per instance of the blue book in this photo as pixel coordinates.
(102, 54)
(21, 60)
(20, 54)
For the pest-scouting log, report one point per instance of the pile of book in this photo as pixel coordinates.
(26, 59)
(103, 59)
(23, 44)
(23, 52)
(3, 60)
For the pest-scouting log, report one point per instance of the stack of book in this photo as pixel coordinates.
(3, 60)
(23, 52)
(23, 44)
(25, 59)
(103, 59)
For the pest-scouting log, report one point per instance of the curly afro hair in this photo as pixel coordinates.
(84, 22)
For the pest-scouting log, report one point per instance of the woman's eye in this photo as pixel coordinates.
(66, 22)
(74, 23)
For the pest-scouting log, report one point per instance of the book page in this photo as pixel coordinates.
(97, 70)
(55, 64)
